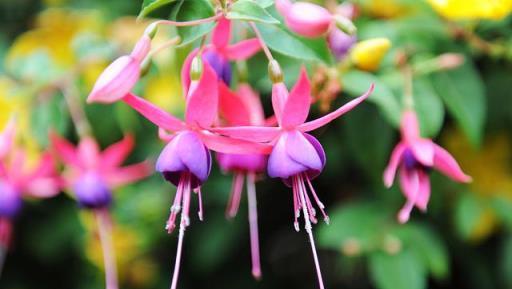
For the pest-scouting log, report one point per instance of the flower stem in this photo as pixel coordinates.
(188, 23)
(262, 42)
(253, 225)
(171, 42)
(71, 95)
(109, 259)
(309, 230)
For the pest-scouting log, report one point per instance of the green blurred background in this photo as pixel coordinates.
(464, 241)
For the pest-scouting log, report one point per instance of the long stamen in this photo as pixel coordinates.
(175, 209)
(185, 178)
(296, 206)
(309, 230)
(253, 225)
(236, 195)
(200, 199)
(105, 232)
(317, 200)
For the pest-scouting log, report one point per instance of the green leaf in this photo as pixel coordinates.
(249, 10)
(428, 246)
(400, 271)
(47, 115)
(357, 223)
(149, 6)
(266, 3)
(193, 10)
(281, 40)
(357, 82)
(469, 211)
(506, 261)
(429, 107)
(462, 91)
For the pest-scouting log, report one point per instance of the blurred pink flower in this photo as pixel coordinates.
(415, 156)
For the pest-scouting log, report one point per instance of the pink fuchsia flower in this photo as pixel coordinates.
(296, 157)
(220, 52)
(93, 174)
(19, 178)
(415, 156)
(121, 75)
(243, 108)
(305, 19)
(185, 161)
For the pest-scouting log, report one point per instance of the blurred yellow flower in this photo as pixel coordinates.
(164, 90)
(387, 8)
(472, 9)
(368, 54)
(491, 172)
(53, 34)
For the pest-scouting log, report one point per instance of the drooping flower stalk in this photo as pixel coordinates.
(109, 258)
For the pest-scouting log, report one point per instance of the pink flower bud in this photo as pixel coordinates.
(305, 19)
(121, 75)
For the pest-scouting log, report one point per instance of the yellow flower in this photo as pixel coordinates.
(387, 8)
(53, 34)
(491, 172)
(472, 9)
(368, 54)
(164, 90)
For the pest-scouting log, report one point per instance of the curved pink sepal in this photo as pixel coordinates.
(394, 161)
(423, 151)
(445, 163)
(249, 133)
(314, 124)
(128, 174)
(153, 113)
(296, 108)
(222, 33)
(242, 50)
(115, 154)
(203, 100)
(224, 144)
(65, 150)
(232, 107)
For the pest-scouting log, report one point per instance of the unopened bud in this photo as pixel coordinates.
(345, 25)
(145, 66)
(368, 54)
(351, 247)
(392, 245)
(151, 30)
(274, 71)
(241, 67)
(196, 68)
(450, 60)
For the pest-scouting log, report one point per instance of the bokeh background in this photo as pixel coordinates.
(463, 242)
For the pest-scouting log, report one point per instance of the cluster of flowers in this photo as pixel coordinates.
(232, 124)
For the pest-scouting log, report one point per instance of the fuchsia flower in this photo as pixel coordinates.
(415, 156)
(306, 19)
(19, 179)
(243, 108)
(92, 174)
(185, 161)
(296, 157)
(121, 75)
(220, 52)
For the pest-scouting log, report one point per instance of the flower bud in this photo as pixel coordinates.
(368, 54)
(340, 43)
(274, 71)
(196, 68)
(92, 192)
(345, 25)
(306, 19)
(151, 30)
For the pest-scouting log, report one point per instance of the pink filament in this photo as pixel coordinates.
(109, 259)
(200, 199)
(317, 200)
(175, 209)
(235, 196)
(185, 221)
(299, 188)
(253, 225)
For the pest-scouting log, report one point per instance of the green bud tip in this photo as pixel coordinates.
(274, 71)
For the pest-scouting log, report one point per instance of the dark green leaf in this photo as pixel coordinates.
(429, 107)
(400, 271)
(249, 10)
(150, 5)
(193, 10)
(469, 211)
(357, 82)
(281, 40)
(463, 93)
